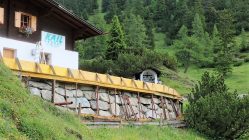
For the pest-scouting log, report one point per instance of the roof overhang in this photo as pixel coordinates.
(83, 29)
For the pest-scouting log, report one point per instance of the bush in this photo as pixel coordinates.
(238, 63)
(246, 60)
(216, 112)
(99, 65)
(169, 62)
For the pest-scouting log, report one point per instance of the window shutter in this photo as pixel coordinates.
(34, 23)
(18, 19)
(1, 15)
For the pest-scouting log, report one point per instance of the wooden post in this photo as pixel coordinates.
(181, 106)
(139, 107)
(97, 99)
(174, 107)
(152, 101)
(53, 90)
(76, 91)
(115, 102)
(122, 103)
(109, 99)
(125, 105)
(163, 106)
(79, 109)
(65, 90)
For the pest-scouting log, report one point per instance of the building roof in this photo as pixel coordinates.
(84, 29)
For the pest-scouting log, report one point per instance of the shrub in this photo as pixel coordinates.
(216, 112)
(169, 62)
(238, 63)
(246, 60)
(99, 65)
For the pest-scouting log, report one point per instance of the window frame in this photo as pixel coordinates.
(10, 49)
(30, 19)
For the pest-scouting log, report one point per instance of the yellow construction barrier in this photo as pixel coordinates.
(35, 70)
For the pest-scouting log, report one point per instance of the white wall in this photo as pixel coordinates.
(62, 58)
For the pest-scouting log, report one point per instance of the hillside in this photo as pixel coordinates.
(23, 116)
(183, 82)
(27, 117)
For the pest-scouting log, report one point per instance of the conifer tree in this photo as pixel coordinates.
(244, 41)
(183, 14)
(183, 32)
(116, 44)
(216, 40)
(113, 10)
(225, 54)
(223, 61)
(135, 31)
(197, 26)
(199, 9)
(226, 26)
(150, 35)
(105, 5)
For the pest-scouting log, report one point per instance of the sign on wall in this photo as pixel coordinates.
(53, 40)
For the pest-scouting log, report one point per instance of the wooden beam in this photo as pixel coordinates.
(64, 20)
(146, 85)
(69, 72)
(18, 64)
(38, 68)
(109, 78)
(63, 103)
(98, 78)
(52, 69)
(122, 81)
(81, 74)
(134, 83)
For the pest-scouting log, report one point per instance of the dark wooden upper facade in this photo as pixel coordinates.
(48, 16)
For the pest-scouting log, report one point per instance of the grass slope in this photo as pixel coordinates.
(145, 133)
(237, 80)
(27, 117)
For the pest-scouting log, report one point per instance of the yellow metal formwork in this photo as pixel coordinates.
(31, 69)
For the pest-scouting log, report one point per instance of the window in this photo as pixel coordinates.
(9, 53)
(1, 15)
(45, 58)
(25, 20)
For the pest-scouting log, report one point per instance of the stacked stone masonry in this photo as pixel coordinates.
(123, 104)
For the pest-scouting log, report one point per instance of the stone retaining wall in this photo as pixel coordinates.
(121, 104)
